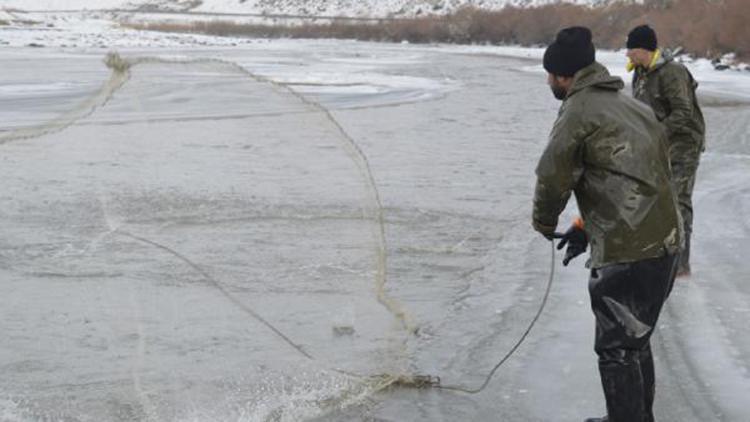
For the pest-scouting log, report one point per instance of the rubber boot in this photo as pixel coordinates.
(646, 361)
(622, 382)
(683, 263)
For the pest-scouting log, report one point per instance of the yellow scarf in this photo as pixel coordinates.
(657, 55)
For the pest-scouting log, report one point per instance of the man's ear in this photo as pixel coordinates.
(565, 81)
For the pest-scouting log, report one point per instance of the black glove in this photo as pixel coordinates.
(576, 240)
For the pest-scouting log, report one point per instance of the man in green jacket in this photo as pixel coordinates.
(669, 88)
(610, 151)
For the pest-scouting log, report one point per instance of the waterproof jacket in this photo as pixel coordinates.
(611, 152)
(669, 88)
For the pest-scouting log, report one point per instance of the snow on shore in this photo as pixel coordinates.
(368, 8)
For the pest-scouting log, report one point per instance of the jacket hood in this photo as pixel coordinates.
(664, 58)
(597, 76)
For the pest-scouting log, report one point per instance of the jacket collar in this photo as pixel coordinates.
(594, 75)
(659, 60)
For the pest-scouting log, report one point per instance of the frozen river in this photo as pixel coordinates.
(209, 246)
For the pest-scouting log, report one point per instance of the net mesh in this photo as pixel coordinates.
(203, 243)
(243, 222)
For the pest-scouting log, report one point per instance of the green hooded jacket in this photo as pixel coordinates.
(611, 152)
(669, 88)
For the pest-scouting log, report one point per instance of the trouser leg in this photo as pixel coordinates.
(626, 300)
(683, 180)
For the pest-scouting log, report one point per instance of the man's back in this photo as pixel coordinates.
(611, 151)
(670, 89)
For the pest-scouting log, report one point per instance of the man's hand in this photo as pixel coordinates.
(575, 239)
(552, 236)
(548, 231)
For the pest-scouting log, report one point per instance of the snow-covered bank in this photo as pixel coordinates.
(38, 5)
(369, 8)
(91, 30)
(101, 30)
(86, 31)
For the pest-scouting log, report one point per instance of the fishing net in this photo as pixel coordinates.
(249, 241)
(203, 244)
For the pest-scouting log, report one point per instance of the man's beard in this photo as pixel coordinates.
(559, 92)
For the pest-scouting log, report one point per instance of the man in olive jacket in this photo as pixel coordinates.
(669, 88)
(611, 152)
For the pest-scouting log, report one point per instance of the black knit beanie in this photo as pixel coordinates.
(642, 37)
(571, 51)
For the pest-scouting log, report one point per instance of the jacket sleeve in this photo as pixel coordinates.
(676, 90)
(558, 172)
